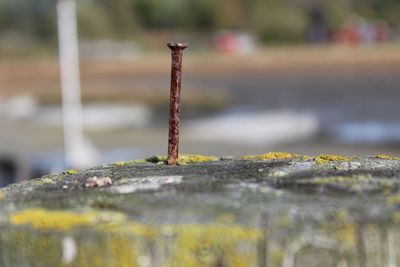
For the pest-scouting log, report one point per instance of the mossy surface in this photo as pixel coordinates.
(108, 239)
(271, 156)
(184, 159)
(383, 156)
(71, 171)
(322, 159)
(215, 245)
(42, 219)
(252, 211)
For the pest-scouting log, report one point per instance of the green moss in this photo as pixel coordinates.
(322, 159)
(183, 159)
(157, 159)
(271, 156)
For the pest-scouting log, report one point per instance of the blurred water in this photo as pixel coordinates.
(349, 110)
(373, 132)
(254, 128)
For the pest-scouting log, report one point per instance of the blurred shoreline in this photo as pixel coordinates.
(346, 92)
(40, 75)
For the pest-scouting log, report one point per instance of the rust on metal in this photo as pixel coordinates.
(174, 105)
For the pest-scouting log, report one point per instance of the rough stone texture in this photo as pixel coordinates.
(275, 209)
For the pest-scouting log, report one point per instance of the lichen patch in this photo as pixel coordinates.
(71, 172)
(271, 156)
(61, 220)
(323, 158)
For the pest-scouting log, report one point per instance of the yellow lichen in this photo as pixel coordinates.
(61, 220)
(214, 245)
(71, 171)
(129, 227)
(45, 249)
(190, 158)
(271, 156)
(322, 159)
(336, 179)
(283, 221)
(115, 250)
(393, 199)
(119, 163)
(2, 195)
(43, 181)
(342, 228)
(346, 233)
(184, 159)
(277, 256)
(38, 249)
(341, 215)
(120, 243)
(396, 217)
(383, 156)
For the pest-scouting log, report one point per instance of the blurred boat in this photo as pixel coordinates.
(372, 132)
(255, 128)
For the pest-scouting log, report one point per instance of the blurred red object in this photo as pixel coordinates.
(347, 35)
(234, 42)
(362, 32)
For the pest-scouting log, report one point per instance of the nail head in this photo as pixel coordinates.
(174, 45)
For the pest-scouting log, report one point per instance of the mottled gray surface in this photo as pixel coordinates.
(307, 211)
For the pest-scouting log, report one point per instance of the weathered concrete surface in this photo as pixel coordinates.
(275, 209)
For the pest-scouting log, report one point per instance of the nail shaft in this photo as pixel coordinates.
(174, 106)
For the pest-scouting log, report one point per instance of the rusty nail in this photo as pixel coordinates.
(174, 104)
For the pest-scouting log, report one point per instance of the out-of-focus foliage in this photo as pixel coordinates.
(94, 22)
(269, 20)
(121, 16)
(384, 9)
(33, 18)
(336, 13)
(275, 22)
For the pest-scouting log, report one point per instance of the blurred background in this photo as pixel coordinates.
(302, 76)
